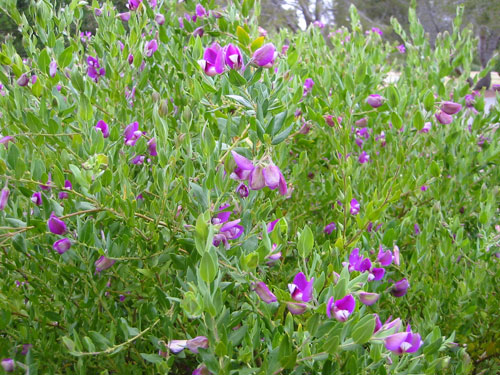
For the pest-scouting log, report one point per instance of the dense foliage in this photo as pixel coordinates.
(184, 194)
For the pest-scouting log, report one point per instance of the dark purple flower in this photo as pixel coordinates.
(301, 289)
(103, 127)
(242, 190)
(56, 225)
(198, 32)
(67, 185)
(36, 198)
(151, 47)
(264, 293)
(340, 309)
(264, 56)
(62, 245)
(450, 107)
(376, 273)
(354, 207)
(368, 298)
(233, 57)
(384, 257)
(103, 263)
(375, 100)
(94, 69)
(130, 59)
(329, 228)
(23, 80)
(53, 68)
(443, 118)
(400, 288)
(4, 197)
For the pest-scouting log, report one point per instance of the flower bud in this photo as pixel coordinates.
(368, 298)
(23, 80)
(264, 56)
(400, 288)
(443, 118)
(375, 100)
(56, 225)
(62, 245)
(160, 19)
(451, 107)
(264, 293)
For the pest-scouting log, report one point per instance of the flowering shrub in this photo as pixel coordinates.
(175, 183)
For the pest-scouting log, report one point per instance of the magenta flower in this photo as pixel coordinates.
(377, 31)
(308, 85)
(130, 59)
(103, 127)
(124, 16)
(242, 190)
(233, 57)
(376, 274)
(443, 118)
(364, 157)
(354, 207)
(403, 342)
(400, 288)
(36, 198)
(23, 80)
(138, 160)
(368, 298)
(341, 309)
(375, 100)
(296, 308)
(160, 19)
(271, 225)
(401, 48)
(200, 10)
(94, 69)
(416, 228)
(198, 32)
(264, 293)
(213, 60)
(426, 128)
(134, 4)
(62, 245)
(329, 228)
(103, 263)
(64, 194)
(264, 56)
(319, 24)
(132, 134)
(152, 147)
(232, 230)
(450, 107)
(8, 364)
(151, 47)
(384, 257)
(4, 197)
(56, 225)
(284, 49)
(53, 68)
(357, 262)
(301, 289)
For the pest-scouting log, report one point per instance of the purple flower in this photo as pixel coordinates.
(196, 343)
(26, 349)
(301, 289)
(376, 273)
(53, 68)
(103, 127)
(67, 185)
(152, 147)
(308, 85)
(233, 57)
(124, 16)
(200, 10)
(56, 225)
(368, 298)
(284, 49)
(138, 160)
(5, 140)
(450, 107)
(264, 293)
(341, 309)
(242, 190)
(264, 56)
(134, 4)
(103, 263)
(34, 78)
(401, 48)
(384, 257)
(181, 22)
(94, 69)
(202, 370)
(151, 47)
(8, 364)
(400, 288)
(49, 182)
(62, 245)
(396, 255)
(36, 198)
(213, 60)
(132, 134)
(4, 197)
(443, 118)
(23, 80)
(319, 24)
(160, 19)
(177, 346)
(361, 122)
(403, 342)
(296, 308)
(329, 228)
(232, 230)
(426, 128)
(377, 31)
(375, 100)
(243, 167)
(364, 157)
(354, 207)
(130, 59)
(416, 228)
(271, 225)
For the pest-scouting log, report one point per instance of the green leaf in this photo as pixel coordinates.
(282, 136)
(152, 357)
(236, 78)
(209, 266)
(363, 331)
(242, 35)
(396, 120)
(306, 242)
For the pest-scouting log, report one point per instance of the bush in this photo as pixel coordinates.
(182, 194)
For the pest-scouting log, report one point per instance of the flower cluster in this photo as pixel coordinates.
(229, 230)
(447, 109)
